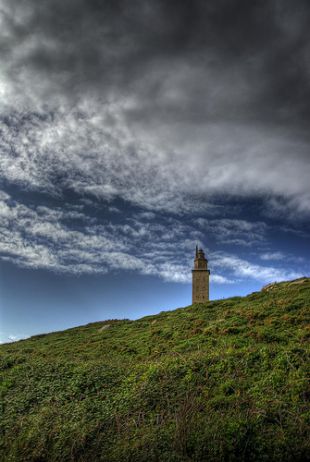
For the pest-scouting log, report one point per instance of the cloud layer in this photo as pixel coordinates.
(118, 99)
(70, 241)
(94, 152)
(175, 108)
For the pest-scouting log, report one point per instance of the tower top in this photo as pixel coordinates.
(200, 261)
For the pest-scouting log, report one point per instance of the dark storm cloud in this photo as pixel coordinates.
(157, 102)
(99, 47)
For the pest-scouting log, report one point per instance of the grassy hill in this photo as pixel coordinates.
(222, 381)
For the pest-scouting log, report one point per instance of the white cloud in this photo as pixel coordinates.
(38, 237)
(272, 256)
(218, 279)
(234, 231)
(244, 269)
(95, 151)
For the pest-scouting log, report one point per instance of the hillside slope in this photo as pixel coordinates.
(221, 381)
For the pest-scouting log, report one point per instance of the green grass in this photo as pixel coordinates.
(224, 381)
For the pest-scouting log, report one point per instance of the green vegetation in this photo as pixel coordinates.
(224, 381)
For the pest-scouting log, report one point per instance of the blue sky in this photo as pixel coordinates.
(161, 126)
(62, 268)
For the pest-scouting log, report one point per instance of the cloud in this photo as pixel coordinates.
(89, 157)
(273, 256)
(41, 237)
(244, 269)
(218, 279)
(219, 53)
(165, 114)
(92, 156)
(234, 231)
(175, 110)
(280, 256)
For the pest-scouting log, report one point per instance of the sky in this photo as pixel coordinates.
(129, 132)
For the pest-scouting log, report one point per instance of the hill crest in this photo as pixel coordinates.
(222, 381)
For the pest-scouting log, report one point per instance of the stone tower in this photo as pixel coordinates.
(200, 278)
